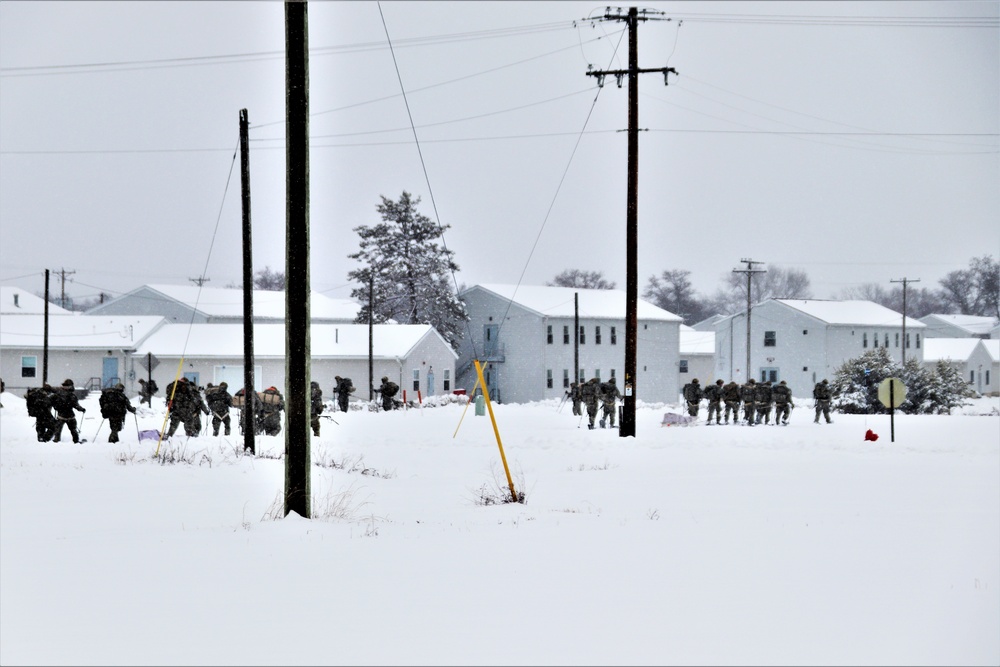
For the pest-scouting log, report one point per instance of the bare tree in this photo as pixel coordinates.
(974, 291)
(672, 291)
(919, 302)
(268, 280)
(581, 279)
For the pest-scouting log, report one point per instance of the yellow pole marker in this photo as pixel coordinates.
(471, 396)
(170, 400)
(489, 406)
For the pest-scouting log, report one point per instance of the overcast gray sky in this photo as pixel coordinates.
(856, 141)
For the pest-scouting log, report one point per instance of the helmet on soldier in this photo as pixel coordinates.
(718, 381)
(120, 386)
(385, 378)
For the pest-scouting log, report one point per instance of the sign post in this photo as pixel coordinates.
(892, 392)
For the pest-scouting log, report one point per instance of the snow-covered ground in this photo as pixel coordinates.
(686, 545)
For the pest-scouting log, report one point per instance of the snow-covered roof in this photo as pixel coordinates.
(80, 332)
(693, 341)
(326, 340)
(594, 303)
(975, 325)
(708, 324)
(954, 349)
(850, 312)
(16, 301)
(992, 346)
(225, 302)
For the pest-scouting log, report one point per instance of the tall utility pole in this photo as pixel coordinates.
(297, 322)
(904, 281)
(248, 381)
(45, 336)
(62, 297)
(749, 271)
(627, 423)
(576, 340)
(371, 333)
(201, 280)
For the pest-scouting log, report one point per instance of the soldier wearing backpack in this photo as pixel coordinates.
(64, 401)
(315, 406)
(114, 404)
(219, 401)
(147, 390)
(388, 390)
(39, 403)
(342, 390)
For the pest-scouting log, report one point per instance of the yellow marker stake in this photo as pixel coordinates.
(170, 399)
(471, 395)
(489, 406)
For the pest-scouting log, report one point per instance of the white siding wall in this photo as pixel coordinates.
(78, 366)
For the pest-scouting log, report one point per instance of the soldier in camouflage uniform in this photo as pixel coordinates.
(574, 395)
(782, 395)
(692, 395)
(609, 398)
(763, 400)
(219, 401)
(114, 406)
(64, 401)
(315, 406)
(39, 403)
(748, 393)
(822, 394)
(713, 393)
(271, 405)
(591, 395)
(731, 396)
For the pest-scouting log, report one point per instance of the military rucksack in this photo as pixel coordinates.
(391, 388)
(37, 401)
(110, 399)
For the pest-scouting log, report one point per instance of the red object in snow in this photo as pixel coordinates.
(871, 435)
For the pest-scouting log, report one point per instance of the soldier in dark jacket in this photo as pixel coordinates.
(315, 406)
(146, 391)
(748, 393)
(114, 406)
(185, 405)
(713, 393)
(731, 396)
(64, 401)
(574, 395)
(38, 400)
(692, 394)
(782, 395)
(609, 399)
(591, 395)
(342, 389)
(387, 391)
(219, 401)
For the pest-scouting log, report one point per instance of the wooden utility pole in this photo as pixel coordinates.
(297, 322)
(200, 280)
(576, 340)
(632, 18)
(904, 281)
(371, 333)
(45, 334)
(249, 395)
(749, 271)
(62, 297)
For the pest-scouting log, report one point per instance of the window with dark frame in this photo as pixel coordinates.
(770, 338)
(548, 334)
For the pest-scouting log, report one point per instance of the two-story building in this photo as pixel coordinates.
(530, 338)
(803, 341)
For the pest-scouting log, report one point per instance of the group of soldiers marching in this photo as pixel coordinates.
(595, 395)
(757, 399)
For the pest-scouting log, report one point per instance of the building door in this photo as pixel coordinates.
(193, 378)
(490, 334)
(430, 380)
(109, 373)
(769, 375)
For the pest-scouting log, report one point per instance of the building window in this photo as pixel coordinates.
(548, 379)
(907, 341)
(566, 335)
(918, 341)
(770, 338)
(769, 375)
(875, 340)
(972, 377)
(416, 379)
(597, 374)
(597, 335)
(565, 378)
(987, 378)
(583, 335)
(897, 340)
(684, 365)
(447, 379)
(614, 335)
(29, 365)
(548, 334)
(805, 332)
(612, 372)
(887, 340)
(864, 339)
(583, 376)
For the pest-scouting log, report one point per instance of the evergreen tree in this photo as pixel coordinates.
(919, 383)
(949, 388)
(405, 274)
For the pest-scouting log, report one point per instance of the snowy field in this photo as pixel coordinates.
(686, 545)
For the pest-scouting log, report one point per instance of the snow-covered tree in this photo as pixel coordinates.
(976, 290)
(672, 291)
(581, 279)
(406, 274)
(950, 389)
(855, 384)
